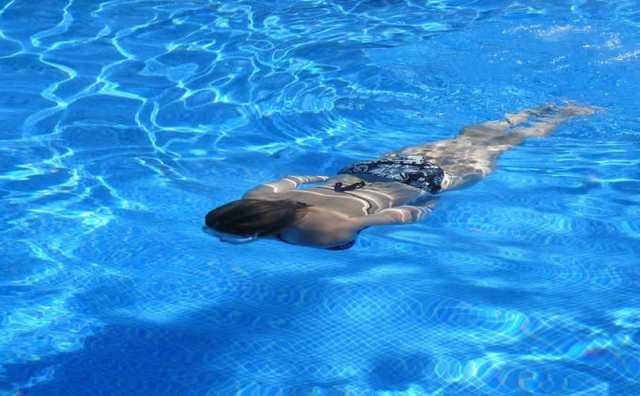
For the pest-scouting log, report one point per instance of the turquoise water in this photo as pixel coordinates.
(124, 122)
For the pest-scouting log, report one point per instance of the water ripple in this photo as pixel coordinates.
(126, 120)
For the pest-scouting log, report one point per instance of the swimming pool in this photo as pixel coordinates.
(124, 122)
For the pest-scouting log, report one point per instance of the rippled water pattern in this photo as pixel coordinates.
(124, 122)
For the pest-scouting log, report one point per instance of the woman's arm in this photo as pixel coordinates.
(399, 215)
(285, 184)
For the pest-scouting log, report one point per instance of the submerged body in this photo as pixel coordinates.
(401, 187)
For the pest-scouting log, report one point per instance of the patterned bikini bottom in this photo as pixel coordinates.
(412, 170)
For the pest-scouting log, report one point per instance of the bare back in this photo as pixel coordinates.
(367, 200)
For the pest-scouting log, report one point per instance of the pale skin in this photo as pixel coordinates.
(335, 218)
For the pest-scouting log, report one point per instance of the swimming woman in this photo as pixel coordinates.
(398, 188)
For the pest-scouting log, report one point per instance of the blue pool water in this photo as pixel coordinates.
(125, 121)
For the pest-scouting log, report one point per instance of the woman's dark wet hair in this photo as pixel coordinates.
(254, 217)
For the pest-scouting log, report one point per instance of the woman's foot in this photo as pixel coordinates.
(549, 116)
(572, 109)
(567, 110)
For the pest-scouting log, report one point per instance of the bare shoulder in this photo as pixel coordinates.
(324, 227)
(263, 195)
(327, 219)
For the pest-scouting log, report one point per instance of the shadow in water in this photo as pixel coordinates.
(192, 354)
(396, 373)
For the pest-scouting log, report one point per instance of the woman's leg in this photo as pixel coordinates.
(472, 154)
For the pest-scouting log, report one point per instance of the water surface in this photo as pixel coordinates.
(124, 122)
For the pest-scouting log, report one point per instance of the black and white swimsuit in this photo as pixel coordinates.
(412, 170)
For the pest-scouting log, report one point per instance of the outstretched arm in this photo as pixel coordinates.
(399, 215)
(282, 185)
